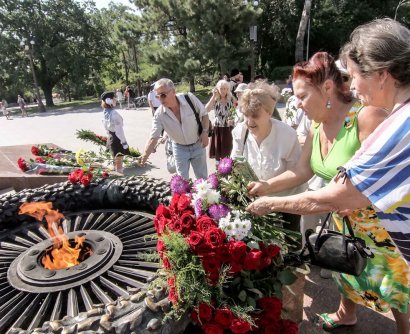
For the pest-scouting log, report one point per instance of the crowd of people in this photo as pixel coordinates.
(355, 114)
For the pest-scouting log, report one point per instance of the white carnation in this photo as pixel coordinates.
(212, 196)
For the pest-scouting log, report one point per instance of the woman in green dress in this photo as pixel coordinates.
(337, 132)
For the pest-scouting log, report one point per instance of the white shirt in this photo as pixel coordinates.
(184, 133)
(113, 122)
(279, 151)
(151, 97)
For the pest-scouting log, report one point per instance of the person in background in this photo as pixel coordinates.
(378, 61)
(153, 102)
(177, 118)
(128, 95)
(113, 124)
(22, 105)
(239, 92)
(234, 81)
(4, 106)
(270, 146)
(223, 103)
(119, 96)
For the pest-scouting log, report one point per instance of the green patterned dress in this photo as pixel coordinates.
(385, 282)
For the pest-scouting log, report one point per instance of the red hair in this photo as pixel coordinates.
(321, 67)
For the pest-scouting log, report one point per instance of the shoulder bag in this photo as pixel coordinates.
(210, 130)
(337, 251)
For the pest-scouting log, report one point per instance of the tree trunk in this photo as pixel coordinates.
(302, 30)
(48, 94)
(192, 84)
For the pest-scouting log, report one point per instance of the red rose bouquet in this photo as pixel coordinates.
(222, 265)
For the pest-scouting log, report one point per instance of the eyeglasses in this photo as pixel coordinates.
(162, 95)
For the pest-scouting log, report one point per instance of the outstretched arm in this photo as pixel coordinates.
(338, 196)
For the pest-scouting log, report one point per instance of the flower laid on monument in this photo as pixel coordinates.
(90, 136)
(56, 161)
(222, 265)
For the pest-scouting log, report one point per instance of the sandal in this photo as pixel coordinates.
(328, 324)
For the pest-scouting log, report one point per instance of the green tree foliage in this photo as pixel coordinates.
(332, 21)
(70, 39)
(197, 36)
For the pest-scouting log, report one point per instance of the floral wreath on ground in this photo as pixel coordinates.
(221, 264)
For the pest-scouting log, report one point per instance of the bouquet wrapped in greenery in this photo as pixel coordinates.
(90, 136)
(222, 264)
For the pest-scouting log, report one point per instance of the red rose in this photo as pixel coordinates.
(214, 237)
(289, 327)
(212, 328)
(240, 326)
(171, 281)
(224, 253)
(211, 262)
(204, 223)
(160, 223)
(195, 240)
(271, 327)
(213, 277)
(165, 262)
(224, 317)
(271, 306)
(160, 247)
(86, 179)
(237, 250)
(174, 202)
(22, 164)
(252, 259)
(187, 221)
(35, 150)
(105, 174)
(175, 226)
(173, 296)
(194, 317)
(40, 160)
(236, 267)
(163, 211)
(265, 261)
(72, 178)
(269, 250)
(205, 312)
(184, 202)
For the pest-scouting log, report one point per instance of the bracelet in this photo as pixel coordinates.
(205, 130)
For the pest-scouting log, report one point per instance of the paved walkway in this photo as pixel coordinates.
(59, 127)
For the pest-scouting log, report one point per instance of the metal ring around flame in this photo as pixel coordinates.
(26, 272)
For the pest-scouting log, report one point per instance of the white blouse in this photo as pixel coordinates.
(113, 122)
(278, 152)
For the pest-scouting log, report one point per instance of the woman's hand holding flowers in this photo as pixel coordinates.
(260, 207)
(259, 188)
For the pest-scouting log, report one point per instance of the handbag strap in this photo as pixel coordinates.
(187, 98)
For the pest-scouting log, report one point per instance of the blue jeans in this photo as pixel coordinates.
(193, 154)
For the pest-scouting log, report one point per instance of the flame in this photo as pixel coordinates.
(62, 254)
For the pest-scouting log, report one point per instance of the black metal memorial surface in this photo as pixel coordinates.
(107, 292)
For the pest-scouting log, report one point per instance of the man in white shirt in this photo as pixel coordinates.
(178, 119)
(153, 102)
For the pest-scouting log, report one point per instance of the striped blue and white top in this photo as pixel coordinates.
(380, 170)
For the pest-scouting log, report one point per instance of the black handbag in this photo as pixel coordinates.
(337, 251)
